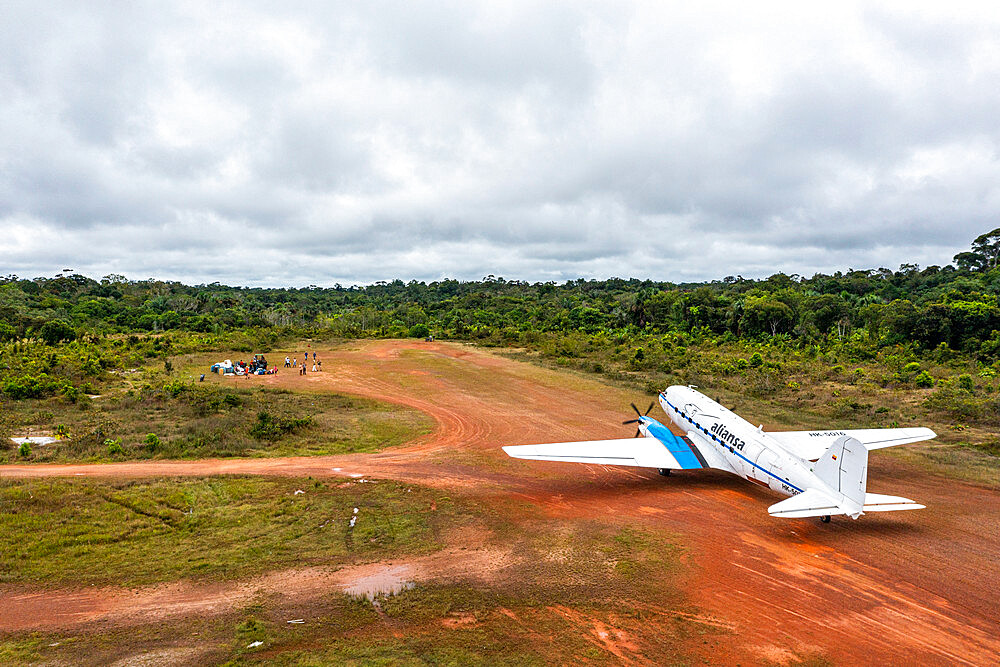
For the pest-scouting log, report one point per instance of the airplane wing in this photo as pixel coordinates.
(810, 445)
(678, 454)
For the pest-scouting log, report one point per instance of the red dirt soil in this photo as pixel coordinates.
(913, 587)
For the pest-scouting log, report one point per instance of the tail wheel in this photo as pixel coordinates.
(826, 519)
(664, 471)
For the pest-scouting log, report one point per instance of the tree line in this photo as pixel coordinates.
(954, 305)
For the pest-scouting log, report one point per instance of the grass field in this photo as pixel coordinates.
(562, 580)
(61, 531)
(204, 420)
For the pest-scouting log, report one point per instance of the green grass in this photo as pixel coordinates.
(197, 421)
(89, 532)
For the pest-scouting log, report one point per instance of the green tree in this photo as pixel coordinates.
(419, 331)
(984, 254)
(56, 331)
(766, 315)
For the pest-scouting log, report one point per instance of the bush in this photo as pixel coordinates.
(114, 447)
(24, 451)
(965, 382)
(960, 405)
(756, 361)
(175, 388)
(152, 442)
(924, 379)
(56, 331)
(419, 331)
(911, 367)
(269, 427)
(7, 332)
(31, 386)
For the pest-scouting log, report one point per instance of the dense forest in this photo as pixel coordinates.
(929, 307)
(61, 335)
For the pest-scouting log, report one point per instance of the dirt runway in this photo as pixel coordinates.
(908, 587)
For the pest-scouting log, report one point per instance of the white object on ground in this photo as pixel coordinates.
(353, 521)
(35, 440)
(355, 510)
(297, 620)
(255, 644)
(299, 492)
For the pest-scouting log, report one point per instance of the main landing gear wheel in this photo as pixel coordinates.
(826, 519)
(664, 471)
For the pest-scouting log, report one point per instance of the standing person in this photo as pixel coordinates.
(314, 367)
(319, 365)
(314, 355)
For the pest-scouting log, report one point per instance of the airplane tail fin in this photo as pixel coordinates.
(844, 469)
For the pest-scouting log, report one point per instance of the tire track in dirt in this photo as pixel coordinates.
(914, 584)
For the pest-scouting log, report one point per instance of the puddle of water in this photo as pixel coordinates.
(386, 581)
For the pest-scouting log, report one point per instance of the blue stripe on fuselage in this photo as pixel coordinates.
(674, 444)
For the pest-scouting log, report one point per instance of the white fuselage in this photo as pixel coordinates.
(749, 452)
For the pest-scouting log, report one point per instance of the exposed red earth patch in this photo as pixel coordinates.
(42, 610)
(915, 587)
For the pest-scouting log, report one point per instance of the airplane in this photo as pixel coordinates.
(824, 472)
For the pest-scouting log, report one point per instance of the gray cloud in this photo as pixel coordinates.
(351, 142)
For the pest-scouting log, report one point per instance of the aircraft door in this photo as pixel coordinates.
(766, 461)
(746, 458)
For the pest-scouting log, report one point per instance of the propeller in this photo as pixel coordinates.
(638, 432)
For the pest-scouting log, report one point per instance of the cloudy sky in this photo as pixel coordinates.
(313, 143)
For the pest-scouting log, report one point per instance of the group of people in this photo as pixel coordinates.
(253, 368)
(293, 362)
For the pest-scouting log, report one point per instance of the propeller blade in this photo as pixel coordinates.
(636, 410)
(648, 409)
(638, 433)
(631, 421)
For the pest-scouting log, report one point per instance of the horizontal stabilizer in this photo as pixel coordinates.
(811, 502)
(876, 502)
(641, 452)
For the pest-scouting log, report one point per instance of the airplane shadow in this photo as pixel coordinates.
(740, 502)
